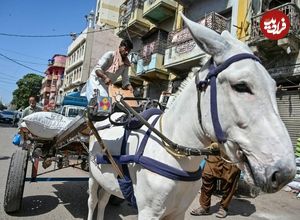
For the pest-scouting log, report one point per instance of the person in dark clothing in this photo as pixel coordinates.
(217, 168)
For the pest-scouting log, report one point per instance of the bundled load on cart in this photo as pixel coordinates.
(54, 137)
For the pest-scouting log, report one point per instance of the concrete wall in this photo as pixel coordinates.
(107, 12)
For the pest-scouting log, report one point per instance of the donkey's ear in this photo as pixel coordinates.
(208, 40)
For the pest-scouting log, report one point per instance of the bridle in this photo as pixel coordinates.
(210, 79)
(182, 151)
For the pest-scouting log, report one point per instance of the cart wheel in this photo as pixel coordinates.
(15, 181)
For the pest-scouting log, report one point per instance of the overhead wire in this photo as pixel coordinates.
(55, 35)
(9, 82)
(28, 67)
(24, 61)
(23, 54)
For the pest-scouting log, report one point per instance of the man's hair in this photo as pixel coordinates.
(32, 97)
(126, 43)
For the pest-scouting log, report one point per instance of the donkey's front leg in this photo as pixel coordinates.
(148, 213)
(93, 196)
(103, 198)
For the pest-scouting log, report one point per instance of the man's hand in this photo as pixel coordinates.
(107, 81)
(103, 77)
(129, 87)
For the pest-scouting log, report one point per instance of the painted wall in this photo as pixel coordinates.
(107, 12)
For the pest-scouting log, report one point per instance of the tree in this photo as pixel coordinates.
(29, 85)
(2, 107)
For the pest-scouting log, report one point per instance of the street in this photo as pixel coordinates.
(68, 200)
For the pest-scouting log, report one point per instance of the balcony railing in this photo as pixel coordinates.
(293, 13)
(156, 43)
(53, 88)
(213, 21)
(55, 77)
(46, 89)
(131, 19)
(126, 9)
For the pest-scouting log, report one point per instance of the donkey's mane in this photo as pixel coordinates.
(184, 83)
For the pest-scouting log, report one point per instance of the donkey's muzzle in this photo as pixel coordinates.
(278, 177)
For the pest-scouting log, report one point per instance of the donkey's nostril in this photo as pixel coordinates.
(275, 179)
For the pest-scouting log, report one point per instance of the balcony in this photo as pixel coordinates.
(259, 43)
(158, 11)
(46, 89)
(153, 68)
(57, 61)
(151, 58)
(55, 77)
(53, 88)
(131, 20)
(182, 52)
(47, 77)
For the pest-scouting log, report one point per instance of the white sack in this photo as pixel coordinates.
(294, 185)
(46, 124)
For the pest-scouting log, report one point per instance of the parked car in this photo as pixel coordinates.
(71, 110)
(7, 116)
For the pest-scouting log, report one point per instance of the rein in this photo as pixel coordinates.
(183, 151)
(176, 148)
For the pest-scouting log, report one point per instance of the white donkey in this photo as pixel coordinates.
(249, 119)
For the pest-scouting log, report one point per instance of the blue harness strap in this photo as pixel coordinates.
(146, 162)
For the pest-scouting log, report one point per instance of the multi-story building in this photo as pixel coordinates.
(281, 58)
(52, 81)
(147, 24)
(164, 51)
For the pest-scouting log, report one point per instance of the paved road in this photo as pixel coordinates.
(68, 200)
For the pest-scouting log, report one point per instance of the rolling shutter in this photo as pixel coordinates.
(289, 109)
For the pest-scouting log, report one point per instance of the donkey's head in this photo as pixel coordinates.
(248, 114)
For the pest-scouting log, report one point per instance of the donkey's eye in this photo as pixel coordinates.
(242, 88)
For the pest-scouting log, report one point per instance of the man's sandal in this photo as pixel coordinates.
(222, 213)
(200, 211)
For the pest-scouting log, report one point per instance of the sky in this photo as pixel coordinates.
(37, 18)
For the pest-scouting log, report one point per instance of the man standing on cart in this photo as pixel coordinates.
(109, 67)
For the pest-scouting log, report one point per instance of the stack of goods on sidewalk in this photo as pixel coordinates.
(294, 186)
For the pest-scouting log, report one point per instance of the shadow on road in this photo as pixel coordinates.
(237, 207)
(4, 157)
(118, 212)
(37, 205)
(73, 196)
